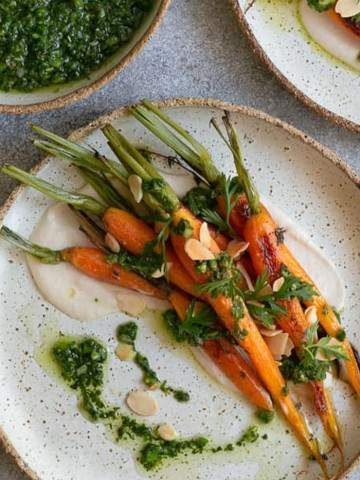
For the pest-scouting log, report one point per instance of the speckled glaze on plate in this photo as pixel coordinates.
(55, 97)
(40, 424)
(312, 75)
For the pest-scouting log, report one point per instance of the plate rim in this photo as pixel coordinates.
(85, 91)
(329, 155)
(339, 120)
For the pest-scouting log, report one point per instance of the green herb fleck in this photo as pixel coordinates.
(266, 416)
(183, 228)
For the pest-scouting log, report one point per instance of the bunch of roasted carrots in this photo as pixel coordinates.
(140, 215)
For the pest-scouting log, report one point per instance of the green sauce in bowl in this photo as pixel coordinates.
(52, 42)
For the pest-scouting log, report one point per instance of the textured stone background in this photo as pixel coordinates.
(198, 51)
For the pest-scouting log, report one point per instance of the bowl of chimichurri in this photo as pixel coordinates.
(54, 52)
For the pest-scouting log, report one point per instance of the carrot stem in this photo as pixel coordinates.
(181, 142)
(45, 255)
(78, 200)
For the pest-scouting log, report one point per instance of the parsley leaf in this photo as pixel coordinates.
(199, 325)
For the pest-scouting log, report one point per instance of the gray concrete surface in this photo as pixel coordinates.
(198, 51)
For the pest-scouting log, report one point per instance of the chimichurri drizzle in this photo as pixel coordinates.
(51, 42)
(126, 333)
(82, 364)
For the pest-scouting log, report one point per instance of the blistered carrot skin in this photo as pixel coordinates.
(92, 262)
(253, 343)
(228, 360)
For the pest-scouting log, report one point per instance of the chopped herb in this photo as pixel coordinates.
(199, 199)
(199, 325)
(183, 228)
(213, 217)
(341, 335)
(262, 302)
(155, 450)
(126, 333)
(309, 368)
(150, 260)
(266, 416)
(250, 435)
(82, 364)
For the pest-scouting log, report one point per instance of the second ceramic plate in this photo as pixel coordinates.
(308, 71)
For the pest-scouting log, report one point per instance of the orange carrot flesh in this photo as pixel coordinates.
(92, 262)
(131, 232)
(267, 253)
(228, 360)
(253, 343)
(295, 324)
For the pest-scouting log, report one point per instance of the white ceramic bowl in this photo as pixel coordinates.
(58, 96)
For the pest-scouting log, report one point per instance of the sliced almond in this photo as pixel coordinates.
(142, 403)
(160, 272)
(255, 303)
(279, 282)
(125, 352)
(236, 247)
(131, 303)
(197, 251)
(135, 185)
(112, 243)
(167, 432)
(204, 235)
(279, 345)
(246, 276)
(267, 332)
(347, 8)
(311, 315)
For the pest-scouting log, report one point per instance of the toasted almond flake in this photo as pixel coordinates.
(131, 303)
(160, 272)
(279, 282)
(167, 432)
(204, 235)
(311, 315)
(279, 345)
(142, 403)
(267, 332)
(236, 247)
(154, 386)
(347, 8)
(197, 251)
(246, 276)
(112, 243)
(135, 185)
(125, 352)
(255, 303)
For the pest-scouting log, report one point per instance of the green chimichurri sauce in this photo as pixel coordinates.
(47, 42)
(126, 333)
(82, 365)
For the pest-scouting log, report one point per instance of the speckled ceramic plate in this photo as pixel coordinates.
(308, 71)
(40, 424)
(58, 96)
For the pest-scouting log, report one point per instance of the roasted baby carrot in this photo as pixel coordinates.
(228, 359)
(89, 260)
(253, 343)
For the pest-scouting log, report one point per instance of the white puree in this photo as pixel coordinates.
(330, 35)
(69, 290)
